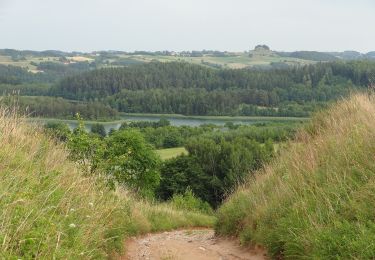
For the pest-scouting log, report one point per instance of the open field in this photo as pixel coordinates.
(80, 59)
(169, 153)
(241, 60)
(235, 62)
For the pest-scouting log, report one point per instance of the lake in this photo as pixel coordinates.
(176, 120)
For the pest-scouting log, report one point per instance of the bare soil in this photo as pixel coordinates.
(195, 244)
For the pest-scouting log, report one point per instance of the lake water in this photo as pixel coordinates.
(177, 121)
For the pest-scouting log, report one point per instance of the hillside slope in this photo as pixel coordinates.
(50, 210)
(316, 200)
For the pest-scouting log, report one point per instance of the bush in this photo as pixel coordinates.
(58, 130)
(187, 201)
(98, 129)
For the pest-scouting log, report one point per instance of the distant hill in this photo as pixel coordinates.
(309, 55)
(348, 55)
(370, 55)
(262, 57)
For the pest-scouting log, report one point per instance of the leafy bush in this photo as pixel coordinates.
(124, 156)
(187, 201)
(58, 130)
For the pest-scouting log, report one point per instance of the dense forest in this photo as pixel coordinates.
(217, 159)
(195, 90)
(184, 88)
(55, 107)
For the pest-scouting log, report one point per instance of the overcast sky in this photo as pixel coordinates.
(233, 25)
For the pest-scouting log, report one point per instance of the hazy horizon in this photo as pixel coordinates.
(156, 25)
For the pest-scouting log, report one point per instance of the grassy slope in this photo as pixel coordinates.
(49, 209)
(317, 200)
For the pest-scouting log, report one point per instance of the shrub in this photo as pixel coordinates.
(187, 201)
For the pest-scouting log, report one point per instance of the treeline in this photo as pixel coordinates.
(59, 108)
(309, 55)
(49, 72)
(26, 89)
(189, 89)
(213, 167)
(252, 102)
(162, 135)
(61, 70)
(195, 90)
(15, 75)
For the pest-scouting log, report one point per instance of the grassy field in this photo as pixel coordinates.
(241, 60)
(316, 200)
(52, 209)
(169, 153)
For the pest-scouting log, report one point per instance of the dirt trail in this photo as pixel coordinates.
(196, 244)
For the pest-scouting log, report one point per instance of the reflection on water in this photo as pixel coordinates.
(175, 121)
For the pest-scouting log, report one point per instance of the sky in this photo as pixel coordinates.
(231, 25)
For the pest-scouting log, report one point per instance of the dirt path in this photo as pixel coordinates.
(196, 244)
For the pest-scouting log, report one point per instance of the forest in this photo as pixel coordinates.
(184, 88)
(194, 90)
(218, 157)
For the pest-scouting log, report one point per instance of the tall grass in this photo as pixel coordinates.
(50, 209)
(316, 201)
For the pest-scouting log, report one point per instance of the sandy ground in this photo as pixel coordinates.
(197, 244)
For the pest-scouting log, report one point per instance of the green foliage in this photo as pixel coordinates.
(311, 55)
(123, 156)
(129, 160)
(98, 129)
(153, 88)
(181, 172)
(213, 167)
(59, 130)
(60, 108)
(183, 88)
(50, 209)
(32, 89)
(85, 149)
(187, 201)
(145, 124)
(162, 135)
(315, 201)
